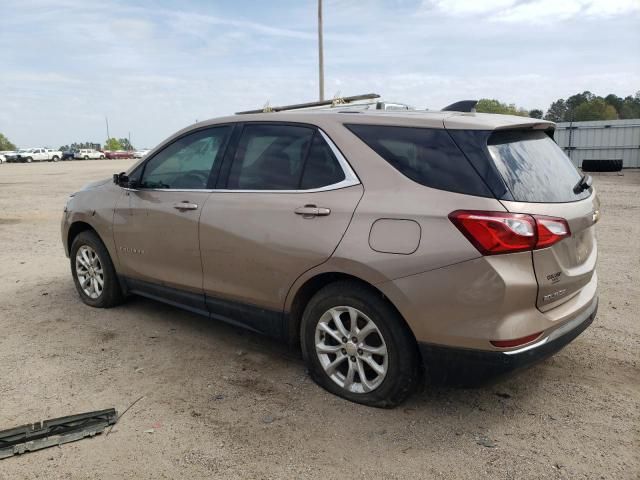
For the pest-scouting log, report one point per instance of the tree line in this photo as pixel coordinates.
(110, 144)
(577, 108)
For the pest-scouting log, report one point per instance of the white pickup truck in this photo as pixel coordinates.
(38, 155)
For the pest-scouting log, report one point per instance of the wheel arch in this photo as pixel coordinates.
(311, 286)
(76, 229)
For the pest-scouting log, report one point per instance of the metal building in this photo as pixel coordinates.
(601, 140)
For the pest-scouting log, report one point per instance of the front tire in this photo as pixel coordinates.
(356, 346)
(93, 272)
(55, 159)
(29, 159)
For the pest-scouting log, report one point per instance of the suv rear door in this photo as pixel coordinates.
(283, 203)
(541, 180)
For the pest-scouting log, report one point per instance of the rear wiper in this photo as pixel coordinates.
(584, 183)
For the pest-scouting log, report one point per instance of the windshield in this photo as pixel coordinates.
(534, 168)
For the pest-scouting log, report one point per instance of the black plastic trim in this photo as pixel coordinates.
(194, 302)
(252, 317)
(454, 366)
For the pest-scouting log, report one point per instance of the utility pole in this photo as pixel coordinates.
(107, 122)
(320, 52)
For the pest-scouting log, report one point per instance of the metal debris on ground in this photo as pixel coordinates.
(56, 431)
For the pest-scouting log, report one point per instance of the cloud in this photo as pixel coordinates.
(554, 11)
(152, 70)
(533, 10)
(469, 7)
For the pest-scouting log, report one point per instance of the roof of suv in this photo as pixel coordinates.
(410, 118)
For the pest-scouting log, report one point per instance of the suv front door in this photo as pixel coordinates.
(282, 206)
(156, 223)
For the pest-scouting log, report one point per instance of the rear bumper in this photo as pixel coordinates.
(474, 367)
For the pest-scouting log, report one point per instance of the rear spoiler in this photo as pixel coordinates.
(461, 106)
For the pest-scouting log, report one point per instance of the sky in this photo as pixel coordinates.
(154, 67)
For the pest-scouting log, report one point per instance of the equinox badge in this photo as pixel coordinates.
(554, 295)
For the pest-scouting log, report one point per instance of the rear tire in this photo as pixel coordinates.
(380, 347)
(93, 272)
(55, 159)
(29, 159)
(86, 157)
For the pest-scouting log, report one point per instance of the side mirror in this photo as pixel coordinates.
(122, 180)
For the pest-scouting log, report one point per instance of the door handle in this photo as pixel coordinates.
(182, 206)
(309, 211)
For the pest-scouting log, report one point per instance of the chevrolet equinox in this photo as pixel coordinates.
(385, 244)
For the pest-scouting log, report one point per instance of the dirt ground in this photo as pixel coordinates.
(224, 403)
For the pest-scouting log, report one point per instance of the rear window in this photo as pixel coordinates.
(427, 156)
(534, 168)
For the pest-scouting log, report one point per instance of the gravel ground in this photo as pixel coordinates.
(220, 402)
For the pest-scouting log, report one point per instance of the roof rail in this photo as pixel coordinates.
(461, 106)
(297, 106)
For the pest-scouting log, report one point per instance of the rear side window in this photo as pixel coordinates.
(534, 168)
(427, 156)
(322, 167)
(283, 157)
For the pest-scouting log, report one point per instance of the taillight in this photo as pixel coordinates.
(493, 233)
(551, 230)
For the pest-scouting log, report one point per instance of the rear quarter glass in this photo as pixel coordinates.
(427, 156)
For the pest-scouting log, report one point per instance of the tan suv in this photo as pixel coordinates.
(380, 242)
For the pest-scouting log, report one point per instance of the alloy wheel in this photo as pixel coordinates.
(89, 271)
(351, 349)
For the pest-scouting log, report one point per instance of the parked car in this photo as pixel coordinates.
(118, 154)
(12, 157)
(15, 157)
(68, 155)
(28, 155)
(88, 153)
(377, 242)
(4, 154)
(140, 153)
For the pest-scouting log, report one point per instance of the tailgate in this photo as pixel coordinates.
(542, 181)
(563, 269)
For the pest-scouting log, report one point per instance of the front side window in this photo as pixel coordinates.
(187, 162)
(283, 157)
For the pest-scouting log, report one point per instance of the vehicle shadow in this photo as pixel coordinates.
(441, 397)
